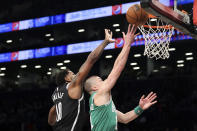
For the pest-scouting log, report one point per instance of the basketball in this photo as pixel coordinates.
(136, 15)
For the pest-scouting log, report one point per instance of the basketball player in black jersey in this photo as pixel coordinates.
(68, 99)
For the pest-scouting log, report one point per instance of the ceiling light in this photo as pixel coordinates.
(48, 35)
(132, 64)
(2, 74)
(81, 30)
(180, 65)
(108, 56)
(60, 64)
(137, 55)
(180, 61)
(51, 39)
(136, 68)
(163, 67)
(189, 58)
(117, 30)
(172, 49)
(38, 66)
(48, 73)
(63, 68)
(18, 76)
(116, 25)
(3, 68)
(189, 53)
(9, 41)
(155, 70)
(67, 61)
(23, 66)
(49, 69)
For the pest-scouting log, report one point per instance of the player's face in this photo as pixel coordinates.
(70, 76)
(98, 82)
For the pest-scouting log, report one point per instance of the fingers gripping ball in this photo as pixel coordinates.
(136, 15)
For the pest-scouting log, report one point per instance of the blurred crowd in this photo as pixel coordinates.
(27, 109)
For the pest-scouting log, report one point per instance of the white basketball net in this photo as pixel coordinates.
(157, 39)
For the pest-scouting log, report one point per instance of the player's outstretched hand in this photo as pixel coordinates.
(147, 102)
(108, 36)
(130, 36)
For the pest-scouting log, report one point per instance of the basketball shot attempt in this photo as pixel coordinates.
(68, 110)
(156, 34)
(172, 15)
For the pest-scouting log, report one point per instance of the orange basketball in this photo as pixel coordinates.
(136, 15)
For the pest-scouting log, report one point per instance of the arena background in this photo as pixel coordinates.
(25, 90)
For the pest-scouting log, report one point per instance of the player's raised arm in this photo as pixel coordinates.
(75, 87)
(144, 104)
(120, 60)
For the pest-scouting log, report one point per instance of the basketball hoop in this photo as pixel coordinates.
(157, 35)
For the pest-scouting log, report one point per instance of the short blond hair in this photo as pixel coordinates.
(88, 83)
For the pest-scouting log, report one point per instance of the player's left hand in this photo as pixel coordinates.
(108, 36)
(145, 103)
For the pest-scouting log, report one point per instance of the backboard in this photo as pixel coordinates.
(170, 11)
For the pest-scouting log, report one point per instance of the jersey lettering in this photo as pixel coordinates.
(58, 111)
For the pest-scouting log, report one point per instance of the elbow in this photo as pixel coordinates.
(50, 122)
(125, 122)
(52, 116)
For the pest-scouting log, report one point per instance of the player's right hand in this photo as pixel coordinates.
(130, 36)
(108, 36)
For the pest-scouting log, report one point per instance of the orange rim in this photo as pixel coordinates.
(154, 27)
(151, 16)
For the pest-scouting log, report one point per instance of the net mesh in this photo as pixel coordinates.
(157, 35)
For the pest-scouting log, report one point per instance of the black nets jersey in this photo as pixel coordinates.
(69, 111)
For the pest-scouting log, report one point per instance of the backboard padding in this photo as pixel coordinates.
(168, 15)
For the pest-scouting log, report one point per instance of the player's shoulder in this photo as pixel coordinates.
(55, 91)
(65, 86)
(92, 96)
(58, 89)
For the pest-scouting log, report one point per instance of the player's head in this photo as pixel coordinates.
(64, 76)
(92, 84)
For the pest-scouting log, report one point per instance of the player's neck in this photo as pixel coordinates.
(91, 92)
